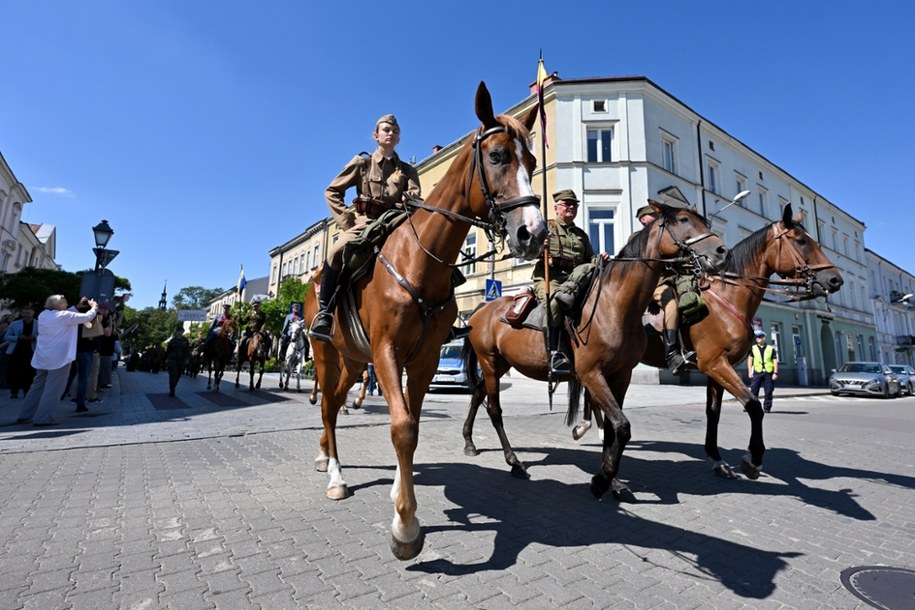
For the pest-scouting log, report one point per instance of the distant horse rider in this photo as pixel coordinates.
(382, 182)
(218, 323)
(292, 316)
(571, 263)
(254, 323)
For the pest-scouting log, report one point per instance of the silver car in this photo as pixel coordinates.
(865, 379)
(906, 375)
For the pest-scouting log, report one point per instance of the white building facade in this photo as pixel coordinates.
(13, 197)
(891, 291)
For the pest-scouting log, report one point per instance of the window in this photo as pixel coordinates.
(599, 142)
(776, 336)
(740, 183)
(273, 274)
(307, 260)
(470, 250)
(669, 153)
(599, 106)
(871, 348)
(861, 346)
(714, 170)
(796, 342)
(763, 200)
(600, 229)
(316, 260)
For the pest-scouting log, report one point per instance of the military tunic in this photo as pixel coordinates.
(571, 257)
(376, 177)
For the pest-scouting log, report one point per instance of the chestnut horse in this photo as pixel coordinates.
(218, 354)
(255, 351)
(406, 301)
(723, 338)
(607, 340)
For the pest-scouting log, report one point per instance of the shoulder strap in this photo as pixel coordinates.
(363, 185)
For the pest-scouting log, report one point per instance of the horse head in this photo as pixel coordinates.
(799, 256)
(228, 327)
(501, 165)
(682, 232)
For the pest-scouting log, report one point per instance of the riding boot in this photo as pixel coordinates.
(322, 325)
(677, 361)
(559, 362)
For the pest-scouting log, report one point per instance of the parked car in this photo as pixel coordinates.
(906, 374)
(865, 379)
(451, 373)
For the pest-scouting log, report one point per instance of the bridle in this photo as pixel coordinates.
(495, 225)
(799, 284)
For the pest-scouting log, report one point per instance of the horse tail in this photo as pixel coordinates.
(574, 400)
(469, 359)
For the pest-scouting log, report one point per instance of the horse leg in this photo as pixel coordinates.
(713, 397)
(518, 469)
(407, 537)
(360, 397)
(620, 432)
(330, 408)
(238, 370)
(260, 375)
(726, 376)
(476, 399)
(313, 397)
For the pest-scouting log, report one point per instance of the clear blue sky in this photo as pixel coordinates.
(205, 131)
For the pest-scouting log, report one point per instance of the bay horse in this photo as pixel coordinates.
(297, 353)
(218, 354)
(406, 301)
(606, 342)
(254, 350)
(723, 338)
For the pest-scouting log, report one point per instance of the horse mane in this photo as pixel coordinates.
(516, 128)
(635, 247)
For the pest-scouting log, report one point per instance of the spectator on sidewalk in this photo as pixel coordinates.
(20, 337)
(762, 368)
(106, 348)
(55, 349)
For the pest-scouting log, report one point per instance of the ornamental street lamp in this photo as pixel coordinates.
(99, 284)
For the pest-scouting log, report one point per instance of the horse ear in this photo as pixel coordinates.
(484, 107)
(528, 119)
(786, 215)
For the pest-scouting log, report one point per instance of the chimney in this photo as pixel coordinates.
(436, 148)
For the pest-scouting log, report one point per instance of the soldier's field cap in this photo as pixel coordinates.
(565, 195)
(644, 211)
(759, 333)
(388, 118)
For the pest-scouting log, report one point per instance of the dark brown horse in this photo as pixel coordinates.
(607, 341)
(406, 302)
(218, 354)
(254, 350)
(724, 336)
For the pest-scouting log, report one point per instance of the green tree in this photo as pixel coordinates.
(195, 297)
(154, 326)
(290, 290)
(33, 286)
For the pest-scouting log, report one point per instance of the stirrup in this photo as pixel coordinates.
(322, 326)
(676, 362)
(559, 363)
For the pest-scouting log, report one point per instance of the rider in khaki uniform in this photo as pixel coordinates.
(571, 263)
(667, 299)
(382, 182)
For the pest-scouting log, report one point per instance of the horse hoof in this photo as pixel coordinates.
(599, 486)
(337, 492)
(520, 472)
(750, 470)
(621, 492)
(724, 471)
(580, 430)
(407, 550)
(471, 451)
(321, 465)
(357, 404)
(313, 401)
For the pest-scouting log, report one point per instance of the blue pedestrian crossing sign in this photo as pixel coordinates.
(493, 290)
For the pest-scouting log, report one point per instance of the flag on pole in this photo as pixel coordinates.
(541, 79)
(241, 280)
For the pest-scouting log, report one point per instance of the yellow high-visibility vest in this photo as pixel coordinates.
(766, 359)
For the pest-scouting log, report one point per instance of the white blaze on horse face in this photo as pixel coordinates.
(533, 219)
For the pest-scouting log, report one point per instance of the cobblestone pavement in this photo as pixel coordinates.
(212, 501)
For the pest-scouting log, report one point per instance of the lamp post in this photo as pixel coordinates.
(99, 284)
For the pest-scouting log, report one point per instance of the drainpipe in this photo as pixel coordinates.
(701, 169)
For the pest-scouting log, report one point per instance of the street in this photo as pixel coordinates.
(212, 501)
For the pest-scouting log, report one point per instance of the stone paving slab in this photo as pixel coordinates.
(220, 507)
